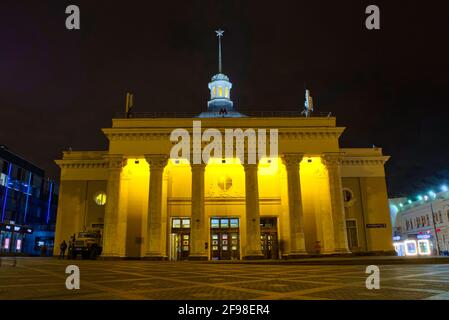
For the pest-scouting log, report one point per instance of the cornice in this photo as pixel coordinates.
(364, 161)
(82, 164)
(128, 134)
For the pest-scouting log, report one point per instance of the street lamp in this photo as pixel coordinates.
(435, 228)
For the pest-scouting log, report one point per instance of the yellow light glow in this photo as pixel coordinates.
(178, 162)
(226, 92)
(220, 91)
(269, 166)
(214, 91)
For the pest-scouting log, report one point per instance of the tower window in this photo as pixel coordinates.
(227, 92)
(214, 92)
(220, 91)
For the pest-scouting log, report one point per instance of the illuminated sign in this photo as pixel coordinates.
(396, 238)
(424, 247)
(410, 248)
(423, 236)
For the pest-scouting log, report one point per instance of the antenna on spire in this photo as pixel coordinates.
(308, 104)
(219, 33)
(129, 104)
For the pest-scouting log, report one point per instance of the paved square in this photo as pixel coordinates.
(44, 278)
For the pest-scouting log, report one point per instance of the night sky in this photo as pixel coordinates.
(389, 87)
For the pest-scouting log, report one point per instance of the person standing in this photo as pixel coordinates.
(63, 248)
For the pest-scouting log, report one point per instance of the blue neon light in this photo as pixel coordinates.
(6, 192)
(49, 202)
(27, 198)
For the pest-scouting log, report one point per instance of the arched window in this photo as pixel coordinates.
(227, 92)
(220, 91)
(214, 92)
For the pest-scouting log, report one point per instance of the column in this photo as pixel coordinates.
(296, 220)
(252, 214)
(198, 223)
(154, 250)
(114, 235)
(332, 162)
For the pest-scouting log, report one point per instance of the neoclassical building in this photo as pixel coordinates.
(313, 197)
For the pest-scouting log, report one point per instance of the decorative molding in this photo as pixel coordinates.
(365, 161)
(164, 134)
(292, 160)
(157, 161)
(82, 164)
(332, 159)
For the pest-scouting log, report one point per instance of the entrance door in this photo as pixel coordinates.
(269, 238)
(225, 239)
(180, 238)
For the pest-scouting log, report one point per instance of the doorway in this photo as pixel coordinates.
(180, 239)
(225, 239)
(269, 238)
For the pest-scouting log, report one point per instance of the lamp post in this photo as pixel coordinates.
(435, 228)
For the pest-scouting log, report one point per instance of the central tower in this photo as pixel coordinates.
(220, 103)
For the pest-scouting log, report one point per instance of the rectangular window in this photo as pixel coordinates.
(176, 223)
(235, 222)
(351, 230)
(215, 223)
(224, 223)
(186, 223)
(5, 167)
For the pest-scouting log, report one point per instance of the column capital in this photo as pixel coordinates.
(250, 166)
(115, 161)
(332, 159)
(199, 166)
(292, 159)
(156, 161)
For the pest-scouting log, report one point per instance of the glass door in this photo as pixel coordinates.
(225, 239)
(269, 238)
(180, 232)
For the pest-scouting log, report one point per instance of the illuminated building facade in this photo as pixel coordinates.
(28, 205)
(312, 198)
(424, 218)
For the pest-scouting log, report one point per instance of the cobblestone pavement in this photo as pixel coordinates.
(44, 278)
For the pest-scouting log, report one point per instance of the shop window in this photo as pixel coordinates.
(234, 223)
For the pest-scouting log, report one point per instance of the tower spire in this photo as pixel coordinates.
(219, 33)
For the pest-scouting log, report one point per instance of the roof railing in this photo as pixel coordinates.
(262, 114)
